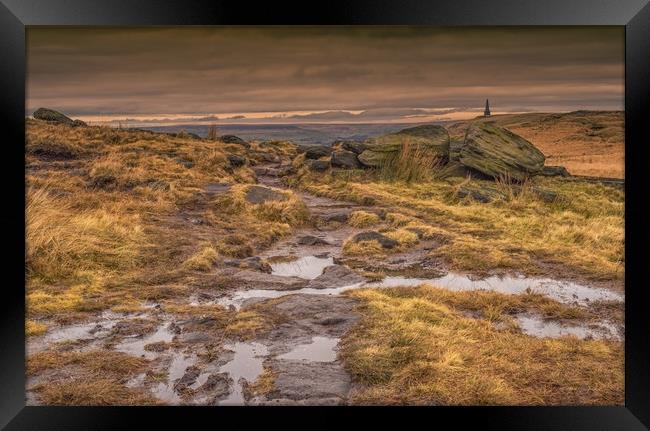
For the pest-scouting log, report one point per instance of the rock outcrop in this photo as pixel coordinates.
(429, 138)
(232, 139)
(236, 161)
(314, 152)
(355, 146)
(345, 159)
(53, 116)
(497, 152)
(318, 165)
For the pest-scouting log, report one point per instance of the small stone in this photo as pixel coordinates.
(383, 240)
(311, 240)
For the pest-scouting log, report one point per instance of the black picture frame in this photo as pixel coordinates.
(16, 15)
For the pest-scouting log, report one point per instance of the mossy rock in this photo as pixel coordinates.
(344, 159)
(53, 116)
(497, 152)
(429, 138)
(554, 171)
(455, 145)
(374, 159)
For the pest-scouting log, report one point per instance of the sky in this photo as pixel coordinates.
(241, 75)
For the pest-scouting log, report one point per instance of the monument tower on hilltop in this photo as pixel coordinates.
(487, 108)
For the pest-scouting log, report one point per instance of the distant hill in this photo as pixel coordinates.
(585, 142)
(297, 133)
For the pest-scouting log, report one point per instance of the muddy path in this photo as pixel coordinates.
(296, 361)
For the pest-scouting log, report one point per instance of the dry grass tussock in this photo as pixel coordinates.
(412, 163)
(98, 378)
(411, 348)
(363, 219)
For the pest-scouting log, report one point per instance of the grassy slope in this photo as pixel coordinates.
(107, 217)
(581, 234)
(96, 242)
(586, 143)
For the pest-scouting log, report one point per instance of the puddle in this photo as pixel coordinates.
(538, 327)
(321, 349)
(165, 390)
(81, 331)
(308, 267)
(561, 291)
(238, 298)
(311, 267)
(247, 365)
(135, 346)
(200, 381)
(78, 332)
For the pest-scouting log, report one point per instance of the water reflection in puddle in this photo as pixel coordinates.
(76, 332)
(238, 298)
(311, 267)
(321, 349)
(246, 365)
(135, 346)
(539, 327)
(165, 390)
(308, 267)
(562, 291)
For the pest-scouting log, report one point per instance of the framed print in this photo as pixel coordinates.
(376, 209)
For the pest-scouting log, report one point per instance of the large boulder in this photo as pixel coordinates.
(318, 165)
(56, 117)
(497, 152)
(355, 146)
(345, 159)
(236, 161)
(232, 139)
(455, 145)
(314, 152)
(429, 138)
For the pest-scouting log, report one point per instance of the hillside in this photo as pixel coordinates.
(585, 142)
(171, 269)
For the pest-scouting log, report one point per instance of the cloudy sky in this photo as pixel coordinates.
(317, 74)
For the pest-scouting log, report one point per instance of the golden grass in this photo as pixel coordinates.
(411, 349)
(363, 219)
(203, 260)
(361, 248)
(96, 392)
(404, 237)
(62, 242)
(33, 328)
(411, 163)
(264, 385)
(106, 363)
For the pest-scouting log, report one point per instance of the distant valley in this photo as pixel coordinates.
(297, 133)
